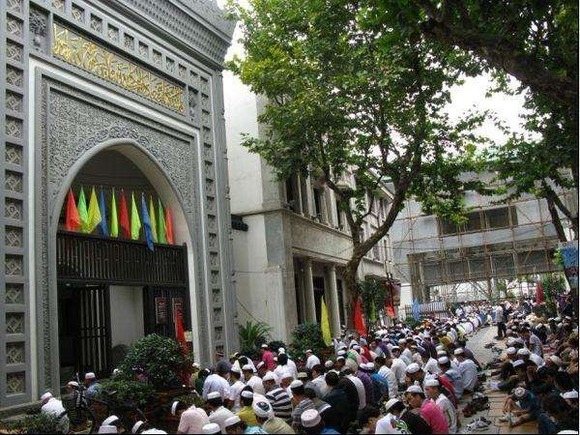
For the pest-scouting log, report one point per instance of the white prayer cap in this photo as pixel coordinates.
(511, 350)
(235, 369)
(443, 360)
(556, 360)
(107, 428)
(90, 375)
(390, 403)
(570, 394)
(308, 351)
(340, 358)
(441, 353)
(439, 347)
(137, 426)
(413, 368)
(286, 374)
(196, 365)
(395, 348)
(458, 351)
(296, 384)
(518, 363)
(232, 420)
(402, 341)
(511, 341)
(247, 394)
(174, 406)
(341, 353)
(414, 389)
(270, 376)
(214, 395)
(370, 366)
(328, 364)
(260, 365)
(523, 351)
(46, 396)
(111, 419)
(211, 428)
(264, 346)
(73, 384)
(431, 383)
(520, 392)
(310, 418)
(302, 375)
(263, 409)
(247, 368)
(281, 350)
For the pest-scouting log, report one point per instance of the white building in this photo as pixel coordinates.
(296, 242)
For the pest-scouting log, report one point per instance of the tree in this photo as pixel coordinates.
(535, 42)
(345, 95)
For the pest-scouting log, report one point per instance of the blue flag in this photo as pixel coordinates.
(103, 223)
(416, 310)
(146, 223)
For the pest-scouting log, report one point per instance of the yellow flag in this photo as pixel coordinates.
(135, 220)
(325, 324)
(153, 219)
(94, 215)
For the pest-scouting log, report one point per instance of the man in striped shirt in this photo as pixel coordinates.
(278, 397)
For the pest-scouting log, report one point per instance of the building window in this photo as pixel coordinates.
(502, 217)
(318, 198)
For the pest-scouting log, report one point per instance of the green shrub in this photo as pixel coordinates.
(307, 335)
(127, 390)
(36, 423)
(253, 335)
(161, 359)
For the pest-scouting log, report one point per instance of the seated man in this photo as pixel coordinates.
(520, 407)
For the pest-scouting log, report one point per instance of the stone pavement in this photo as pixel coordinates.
(496, 398)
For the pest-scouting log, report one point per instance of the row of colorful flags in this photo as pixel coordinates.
(157, 223)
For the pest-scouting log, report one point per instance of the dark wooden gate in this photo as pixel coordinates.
(87, 265)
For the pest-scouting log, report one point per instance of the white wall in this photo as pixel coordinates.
(126, 314)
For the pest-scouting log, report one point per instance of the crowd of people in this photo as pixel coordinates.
(400, 379)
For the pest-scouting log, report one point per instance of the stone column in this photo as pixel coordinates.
(309, 291)
(333, 306)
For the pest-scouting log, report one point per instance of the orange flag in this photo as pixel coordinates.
(359, 323)
(168, 226)
(73, 221)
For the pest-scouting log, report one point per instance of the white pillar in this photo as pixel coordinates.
(309, 291)
(309, 197)
(333, 306)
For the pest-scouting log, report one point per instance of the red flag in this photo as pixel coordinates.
(539, 293)
(124, 217)
(168, 226)
(180, 332)
(359, 323)
(73, 221)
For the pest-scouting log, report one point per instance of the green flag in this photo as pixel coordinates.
(153, 219)
(83, 212)
(114, 217)
(161, 222)
(135, 221)
(94, 217)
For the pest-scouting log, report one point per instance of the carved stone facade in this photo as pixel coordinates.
(56, 117)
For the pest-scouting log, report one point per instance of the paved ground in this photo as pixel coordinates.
(496, 398)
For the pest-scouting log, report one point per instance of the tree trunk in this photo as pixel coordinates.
(350, 282)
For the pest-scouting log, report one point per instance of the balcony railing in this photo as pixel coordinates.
(95, 259)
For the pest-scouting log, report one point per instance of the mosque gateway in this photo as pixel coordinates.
(116, 221)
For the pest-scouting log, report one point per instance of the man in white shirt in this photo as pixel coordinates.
(398, 366)
(235, 389)
(191, 420)
(467, 370)
(360, 389)
(389, 375)
(216, 382)
(52, 406)
(311, 359)
(433, 391)
(252, 380)
(218, 412)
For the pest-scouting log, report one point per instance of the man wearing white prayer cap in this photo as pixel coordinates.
(191, 419)
(111, 421)
(266, 418)
(253, 380)
(211, 428)
(108, 428)
(311, 422)
(52, 406)
(311, 359)
(218, 412)
(434, 391)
